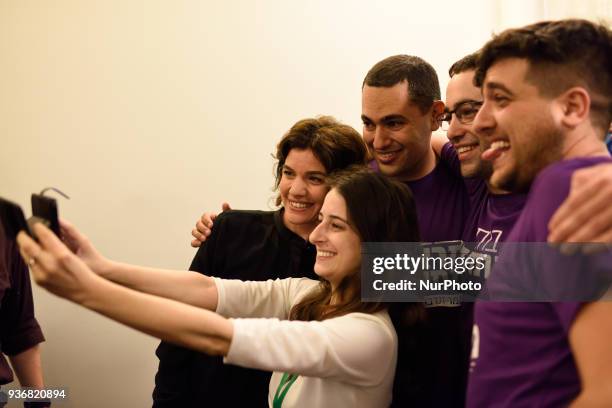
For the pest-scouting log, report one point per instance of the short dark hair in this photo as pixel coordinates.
(467, 63)
(561, 54)
(334, 144)
(423, 85)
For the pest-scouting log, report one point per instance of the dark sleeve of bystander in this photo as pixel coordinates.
(19, 329)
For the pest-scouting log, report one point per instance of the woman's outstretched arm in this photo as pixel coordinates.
(61, 272)
(185, 286)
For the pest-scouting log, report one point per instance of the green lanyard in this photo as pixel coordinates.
(283, 387)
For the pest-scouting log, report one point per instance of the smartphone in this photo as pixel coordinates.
(12, 219)
(44, 209)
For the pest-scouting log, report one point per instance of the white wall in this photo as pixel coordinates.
(148, 112)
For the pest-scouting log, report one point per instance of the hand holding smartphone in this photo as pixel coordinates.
(44, 209)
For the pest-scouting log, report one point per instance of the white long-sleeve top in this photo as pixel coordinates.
(346, 361)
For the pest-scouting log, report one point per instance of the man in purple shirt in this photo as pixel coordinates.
(400, 108)
(547, 104)
(493, 211)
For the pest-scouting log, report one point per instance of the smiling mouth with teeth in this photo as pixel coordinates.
(500, 145)
(465, 149)
(496, 149)
(386, 156)
(297, 205)
(325, 254)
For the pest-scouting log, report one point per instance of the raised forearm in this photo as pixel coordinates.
(184, 286)
(165, 319)
(28, 368)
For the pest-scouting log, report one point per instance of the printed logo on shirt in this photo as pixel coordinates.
(487, 242)
(488, 239)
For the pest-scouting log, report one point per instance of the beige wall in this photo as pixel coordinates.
(148, 112)
(515, 13)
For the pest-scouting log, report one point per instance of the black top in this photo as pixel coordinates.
(19, 330)
(246, 245)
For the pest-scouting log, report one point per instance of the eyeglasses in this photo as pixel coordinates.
(465, 113)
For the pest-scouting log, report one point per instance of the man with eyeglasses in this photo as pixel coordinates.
(492, 210)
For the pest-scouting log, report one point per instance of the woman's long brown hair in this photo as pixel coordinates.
(380, 210)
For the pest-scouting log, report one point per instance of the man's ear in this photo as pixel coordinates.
(573, 107)
(437, 109)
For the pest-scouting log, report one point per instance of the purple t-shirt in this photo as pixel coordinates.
(521, 355)
(441, 199)
(431, 370)
(490, 219)
(491, 216)
(442, 204)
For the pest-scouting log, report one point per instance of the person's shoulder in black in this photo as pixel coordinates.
(247, 245)
(19, 329)
(254, 245)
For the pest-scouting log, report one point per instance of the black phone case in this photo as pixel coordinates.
(45, 208)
